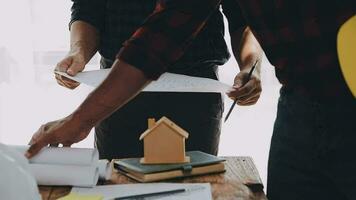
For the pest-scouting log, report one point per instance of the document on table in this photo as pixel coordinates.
(193, 191)
(168, 82)
(67, 166)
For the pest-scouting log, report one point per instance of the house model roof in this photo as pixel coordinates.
(169, 123)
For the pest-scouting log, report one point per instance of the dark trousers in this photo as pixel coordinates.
(313, 150)
(197, 113)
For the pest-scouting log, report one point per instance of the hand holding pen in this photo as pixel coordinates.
(247, 88)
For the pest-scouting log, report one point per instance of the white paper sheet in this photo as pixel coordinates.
(67, 166)
(168, 82)
(194, 191)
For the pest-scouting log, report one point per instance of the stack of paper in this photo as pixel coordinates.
(67, 166)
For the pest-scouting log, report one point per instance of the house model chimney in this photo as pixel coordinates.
(151, 122)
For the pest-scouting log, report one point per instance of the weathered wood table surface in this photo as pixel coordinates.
(240, 181)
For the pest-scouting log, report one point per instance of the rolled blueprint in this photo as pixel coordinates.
(105, 169)
(74, 175)
(62, 155)
(66, 166)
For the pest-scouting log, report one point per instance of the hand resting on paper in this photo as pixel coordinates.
(246, 93)
(63, 131)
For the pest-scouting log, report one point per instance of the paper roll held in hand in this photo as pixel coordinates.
(67, 166)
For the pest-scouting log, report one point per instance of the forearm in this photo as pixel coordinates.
(246, 48)
(84, 39)
(247, 87)
(123, 83)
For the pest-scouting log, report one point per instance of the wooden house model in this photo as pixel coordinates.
(164, 143)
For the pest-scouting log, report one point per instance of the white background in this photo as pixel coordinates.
(34, 36)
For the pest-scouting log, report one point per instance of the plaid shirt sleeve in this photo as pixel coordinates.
(90, 11)
(165, 34)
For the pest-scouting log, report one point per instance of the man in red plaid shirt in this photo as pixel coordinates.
(314, 136)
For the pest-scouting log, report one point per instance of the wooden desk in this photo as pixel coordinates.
(240, 181)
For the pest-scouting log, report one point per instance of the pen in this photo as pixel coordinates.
(248, 78)
(151, 194)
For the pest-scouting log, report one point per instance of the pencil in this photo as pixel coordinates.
(152, 194)
(248, 78)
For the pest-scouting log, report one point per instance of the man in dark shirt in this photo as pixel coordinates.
(311, 154)
(199, 113)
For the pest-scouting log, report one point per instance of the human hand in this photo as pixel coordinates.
(247, 92)
(73, 63)
(65, 131)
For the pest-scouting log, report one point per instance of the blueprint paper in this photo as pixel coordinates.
(168, 82)
(193, 191)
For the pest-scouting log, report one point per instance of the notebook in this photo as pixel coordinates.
(200, 163)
